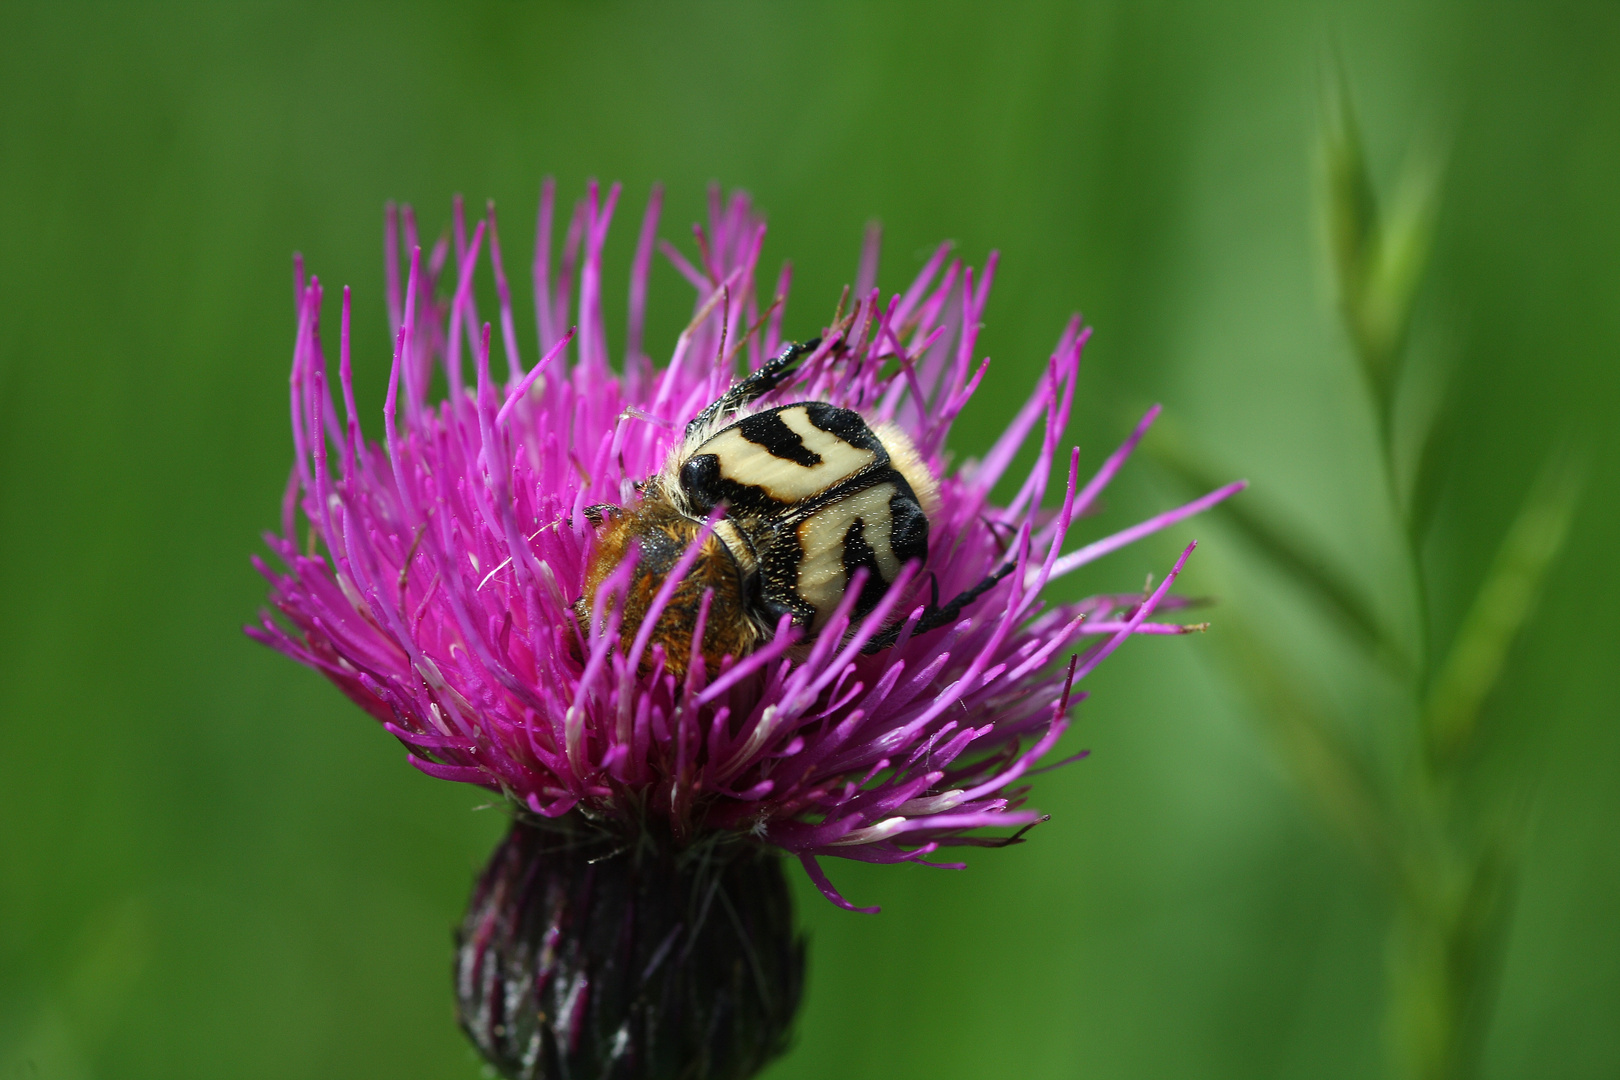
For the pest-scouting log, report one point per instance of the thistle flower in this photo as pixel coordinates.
(440, 585)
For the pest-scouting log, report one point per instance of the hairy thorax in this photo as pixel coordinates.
(656, 536)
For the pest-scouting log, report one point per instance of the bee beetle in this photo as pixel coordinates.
(810, 493)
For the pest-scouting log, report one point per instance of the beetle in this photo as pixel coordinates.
(807, 495)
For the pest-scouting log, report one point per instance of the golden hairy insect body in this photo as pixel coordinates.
(659, 535)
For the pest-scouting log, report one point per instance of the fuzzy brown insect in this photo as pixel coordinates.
(658, 535)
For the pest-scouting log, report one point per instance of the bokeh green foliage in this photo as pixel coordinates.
(1447, 863)
(212, 866)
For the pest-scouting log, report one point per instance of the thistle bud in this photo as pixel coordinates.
(588, 954)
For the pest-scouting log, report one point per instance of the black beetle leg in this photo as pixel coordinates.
(934, 616)
(770, 375)
(601, 512)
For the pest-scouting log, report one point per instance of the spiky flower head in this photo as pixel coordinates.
(439, 579)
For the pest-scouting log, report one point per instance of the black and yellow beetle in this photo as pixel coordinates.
(810, 494)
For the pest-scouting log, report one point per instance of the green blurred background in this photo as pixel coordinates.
(212, 866)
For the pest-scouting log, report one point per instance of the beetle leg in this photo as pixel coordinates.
(934, 615)
(770, 375)
(601, 512)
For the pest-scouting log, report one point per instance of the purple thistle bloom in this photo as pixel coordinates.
(440, 580)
